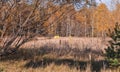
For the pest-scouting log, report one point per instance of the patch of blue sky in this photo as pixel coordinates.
(108, 3)
(78, 6)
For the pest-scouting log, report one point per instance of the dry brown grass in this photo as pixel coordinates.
(81, 47)
(58, 55)
(18, 67)
(73, 42)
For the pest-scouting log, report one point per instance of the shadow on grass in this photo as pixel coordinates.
(95, 66)
(30, 54)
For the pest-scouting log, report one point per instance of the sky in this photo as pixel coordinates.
(107, 2)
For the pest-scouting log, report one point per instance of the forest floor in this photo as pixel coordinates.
(64, 54)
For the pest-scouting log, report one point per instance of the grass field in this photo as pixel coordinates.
(59, 55)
